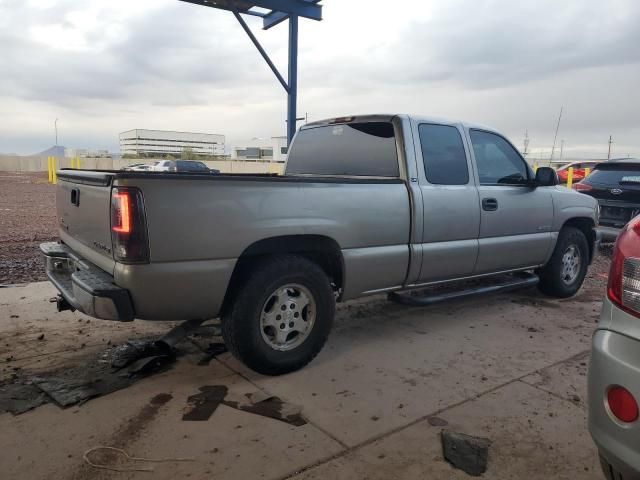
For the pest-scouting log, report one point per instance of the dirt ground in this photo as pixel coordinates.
(27, 218)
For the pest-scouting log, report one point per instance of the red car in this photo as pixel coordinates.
(578, 171)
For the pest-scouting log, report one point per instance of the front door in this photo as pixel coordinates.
(515, 218)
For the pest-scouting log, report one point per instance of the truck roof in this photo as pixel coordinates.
(387, 117)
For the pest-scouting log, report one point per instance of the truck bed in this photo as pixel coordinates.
(198, 225)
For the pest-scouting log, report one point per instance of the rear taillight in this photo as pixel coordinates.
(624, 277)
(128, 226)
(582, 187)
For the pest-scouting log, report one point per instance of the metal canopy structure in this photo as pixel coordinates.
(272, 13)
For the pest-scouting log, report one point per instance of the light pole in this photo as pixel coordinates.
(55, 126)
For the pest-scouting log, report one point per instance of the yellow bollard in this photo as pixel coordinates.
(78, 163)
(570, 178)
(73, 162)
(535, 167)
(50, 180)
(587, 171)
(53, 169)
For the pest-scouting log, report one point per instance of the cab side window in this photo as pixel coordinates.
(445, 161)
(497, 161)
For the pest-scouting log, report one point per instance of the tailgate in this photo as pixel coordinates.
(83, 202)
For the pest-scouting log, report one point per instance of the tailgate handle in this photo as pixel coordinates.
(75, 197)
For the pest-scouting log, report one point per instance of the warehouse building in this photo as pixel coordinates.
(272, 149)
(152, 143)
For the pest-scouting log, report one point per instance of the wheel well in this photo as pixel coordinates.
(585, 225)
(324, 251)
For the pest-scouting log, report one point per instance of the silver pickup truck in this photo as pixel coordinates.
(368, 204)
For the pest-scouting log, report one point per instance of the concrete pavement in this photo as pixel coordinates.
(508, 367)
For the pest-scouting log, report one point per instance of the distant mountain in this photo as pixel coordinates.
(51, 152)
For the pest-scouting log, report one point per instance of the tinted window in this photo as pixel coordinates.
(616, 174)
(355, 149)
(498, 162)
(190, 166)
(445, 162)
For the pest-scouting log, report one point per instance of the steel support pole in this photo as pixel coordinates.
(292, 93)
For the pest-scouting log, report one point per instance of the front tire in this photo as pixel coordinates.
(563, 275)
(281, 315)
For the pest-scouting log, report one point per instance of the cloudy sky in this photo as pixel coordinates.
(105, 66)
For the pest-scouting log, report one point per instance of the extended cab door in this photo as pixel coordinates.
(516, 218)
(450, 198)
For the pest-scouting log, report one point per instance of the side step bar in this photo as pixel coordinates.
(517, 281)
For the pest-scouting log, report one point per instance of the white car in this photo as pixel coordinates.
(163, 166)
(137, 167)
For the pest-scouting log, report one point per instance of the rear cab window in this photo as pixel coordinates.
(360, 149)
(443, 154)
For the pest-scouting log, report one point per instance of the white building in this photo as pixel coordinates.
(85, 152)
(272, 149)
(160, 142)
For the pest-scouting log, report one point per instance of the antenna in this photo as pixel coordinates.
(610, 143)
(525, 152)
(553, 149)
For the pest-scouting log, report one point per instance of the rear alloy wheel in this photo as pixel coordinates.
(563, 275)
(281, 315)
(287, 317)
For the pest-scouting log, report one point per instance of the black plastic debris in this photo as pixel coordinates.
(114, 369)
(211, 352)
(19, 398)
(135, 350)
(203, 404)
(465, 452)
(273, 407)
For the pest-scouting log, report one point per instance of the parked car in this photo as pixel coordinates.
(579, 171)
(368, 204)
(616, 186)
(614, 369)
(137, 167)
(192, 166)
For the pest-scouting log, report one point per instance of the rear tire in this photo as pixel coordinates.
(281, 315)
(563, 275)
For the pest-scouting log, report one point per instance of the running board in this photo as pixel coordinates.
(517, 281)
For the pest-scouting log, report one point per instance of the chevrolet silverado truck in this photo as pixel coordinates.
(367, 204)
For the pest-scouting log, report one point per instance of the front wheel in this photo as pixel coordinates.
(563, 275)
(281, 315)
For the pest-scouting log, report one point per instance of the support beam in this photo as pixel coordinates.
(272, 19)
(293, 78)
(300, 8)
(261, 50)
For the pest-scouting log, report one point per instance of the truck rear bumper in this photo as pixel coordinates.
(84, 286)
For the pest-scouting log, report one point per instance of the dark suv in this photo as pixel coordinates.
(616, 186)
(182, 166)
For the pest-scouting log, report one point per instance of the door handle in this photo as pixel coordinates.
(489, 204)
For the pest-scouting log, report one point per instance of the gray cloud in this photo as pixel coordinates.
(167, 64)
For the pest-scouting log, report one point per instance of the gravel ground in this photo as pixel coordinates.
(27, 218)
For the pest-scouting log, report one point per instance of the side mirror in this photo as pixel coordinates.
(546, 177)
